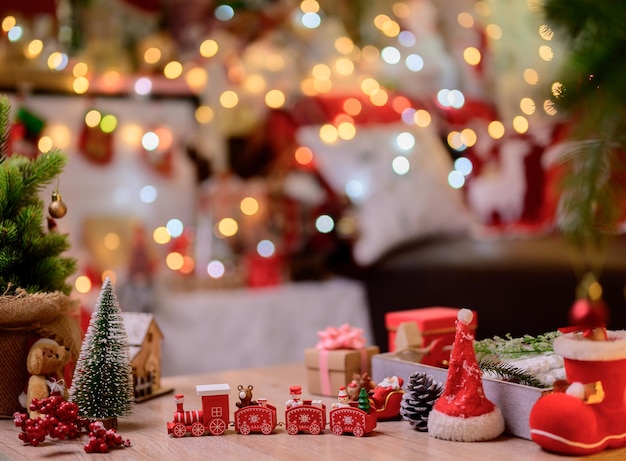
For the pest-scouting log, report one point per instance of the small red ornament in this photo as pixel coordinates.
(589, 314)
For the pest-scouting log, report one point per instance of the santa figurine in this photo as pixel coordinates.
(295, 392)
(463, 413)
(343, 399)
(383, 388)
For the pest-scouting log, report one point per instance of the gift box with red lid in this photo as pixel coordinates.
(434, 324)
(340, 353)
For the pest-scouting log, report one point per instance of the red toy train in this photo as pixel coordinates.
(307, 415)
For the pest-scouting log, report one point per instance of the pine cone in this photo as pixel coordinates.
(421, 393)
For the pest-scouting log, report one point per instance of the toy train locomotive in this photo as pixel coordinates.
(252, 416)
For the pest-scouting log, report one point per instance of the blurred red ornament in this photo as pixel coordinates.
(589, 314)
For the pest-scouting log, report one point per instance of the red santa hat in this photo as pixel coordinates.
(342, 392)
(295, 390)
(463, 413)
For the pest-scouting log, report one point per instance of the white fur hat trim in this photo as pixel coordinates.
(472, 429)
(574, 347)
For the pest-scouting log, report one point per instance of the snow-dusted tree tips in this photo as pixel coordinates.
(102, 385)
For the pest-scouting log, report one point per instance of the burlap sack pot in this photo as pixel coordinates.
(25, 317)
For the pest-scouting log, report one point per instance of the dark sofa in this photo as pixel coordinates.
(517, 286)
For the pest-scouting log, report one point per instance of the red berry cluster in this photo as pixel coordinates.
(60, 421)
(102, 439)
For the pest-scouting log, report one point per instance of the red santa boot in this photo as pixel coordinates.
(591, 415)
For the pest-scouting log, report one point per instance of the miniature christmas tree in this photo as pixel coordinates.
(30, 257)
(364, 401)
(102, 386)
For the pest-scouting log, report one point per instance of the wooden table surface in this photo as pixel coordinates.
(391, 440)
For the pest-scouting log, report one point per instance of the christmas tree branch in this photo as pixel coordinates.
(511, 373)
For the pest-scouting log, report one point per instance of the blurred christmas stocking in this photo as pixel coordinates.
(25, 133)
(590, 415)
(96, 145)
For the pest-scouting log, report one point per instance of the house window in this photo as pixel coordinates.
(149, 337)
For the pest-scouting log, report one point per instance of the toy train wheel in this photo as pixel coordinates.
(197, 429)
(358, 431)
(315, 429)
(179, 430)
(244, 429)
(266, 428)
(292, 429)
(217, 427)
(337, 429)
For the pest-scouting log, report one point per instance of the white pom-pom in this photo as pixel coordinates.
(576, 390)
(465, 316)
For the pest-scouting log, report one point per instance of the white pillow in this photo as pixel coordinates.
(392, 208)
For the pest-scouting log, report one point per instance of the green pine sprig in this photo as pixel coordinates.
(508, 347)
(508, 372)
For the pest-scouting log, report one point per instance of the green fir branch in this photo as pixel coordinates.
(508, 347)
(510, 373)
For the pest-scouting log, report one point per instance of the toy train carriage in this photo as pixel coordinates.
(352, 420)
(311, 416)
(212, 418)
(256, 418)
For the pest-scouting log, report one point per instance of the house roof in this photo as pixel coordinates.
(137, 325)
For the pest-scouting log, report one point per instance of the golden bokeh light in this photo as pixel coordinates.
(379, 97)
(531, 76)
(152, 55)
(80, 69)
(527, 106)
(469, 137)
(352, 106)
(309, 6)
(422, 118)
(209, 48)
(111, 241)
(173, 70)
(204, 114)
(303, 155)
(254, 83)
(34, 49)
(495, 129)
(82, 284)
(344, 45)
(8, 23)
(161, 235)
(494, 31)
(229, 99)
(45, 144)
(344, 66)
(546, 53)
(174, 260)
(520, 124)
(472, 56)
(249, 206)
(328, 133)
(465, 20)
(227, 227)
(196, 78)
(92, 118)
(275, 99)
(346, 131)
(80, 85)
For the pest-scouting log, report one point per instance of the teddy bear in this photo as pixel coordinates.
(45, 362)
(245, 396)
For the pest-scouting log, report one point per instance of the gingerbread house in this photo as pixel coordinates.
(144, 340)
